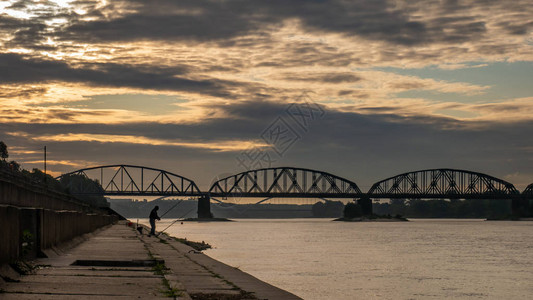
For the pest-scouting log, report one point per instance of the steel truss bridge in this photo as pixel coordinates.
(289, 182)
(443, 183)
(285, 182)
(128, 180)
(528, 191)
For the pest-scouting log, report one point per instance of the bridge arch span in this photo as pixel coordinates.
(285, 182)
(132, 180)
(528, 191)
(442, 183)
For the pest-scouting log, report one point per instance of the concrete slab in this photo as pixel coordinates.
(70, 297)
(95, 272)
(203, 277)
(93, 280)
(61, 280)
(120, 288)
(187, 273)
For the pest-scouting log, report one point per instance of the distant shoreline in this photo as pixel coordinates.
(207, 220)
(373, 219)
(509, 219)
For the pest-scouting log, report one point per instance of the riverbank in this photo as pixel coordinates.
(206, 220)
(373, 219)
(120, 263)
(510, 219)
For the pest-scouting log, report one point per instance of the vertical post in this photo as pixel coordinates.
(366, 205)
(204, 207)
(519, 207)
(45, 164)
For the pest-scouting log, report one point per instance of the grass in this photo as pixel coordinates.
(198, 246)
(23, 267)
(160, 269)
(170, 291)
(205, 296)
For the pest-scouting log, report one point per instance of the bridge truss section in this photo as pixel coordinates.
(129, 180)
(528, 192)
(285, 182)
(443, 184)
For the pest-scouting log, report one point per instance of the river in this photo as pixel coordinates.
(421, 259)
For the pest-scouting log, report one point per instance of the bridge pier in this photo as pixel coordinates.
(204, 207)
(366, 205)
(520, 207)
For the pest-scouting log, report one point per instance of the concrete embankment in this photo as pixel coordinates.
(17, 191)
(34, 219)
(120, 263)
(30, 232)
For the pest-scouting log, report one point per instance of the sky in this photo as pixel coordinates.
(363, 89)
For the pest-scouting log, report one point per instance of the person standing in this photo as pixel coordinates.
(153, 217)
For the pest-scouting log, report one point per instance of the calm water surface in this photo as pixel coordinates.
(421, 259)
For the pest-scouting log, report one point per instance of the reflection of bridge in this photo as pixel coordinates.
(286, 182)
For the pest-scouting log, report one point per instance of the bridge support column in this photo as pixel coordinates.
(204, 207)
(366, 205)
(520, 207)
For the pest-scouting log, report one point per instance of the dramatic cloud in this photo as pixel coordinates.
(192, 85)
(323, 77)
(396, 22)
(109, 74)
(365, 147)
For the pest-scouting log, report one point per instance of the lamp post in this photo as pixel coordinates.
(45, 164)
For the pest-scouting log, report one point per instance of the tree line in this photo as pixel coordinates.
(470, 208)
(67, 184)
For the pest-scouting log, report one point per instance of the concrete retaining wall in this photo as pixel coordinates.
(25, 232)
(62, 226)
(33, 218)
(9, 233)
(16, 191)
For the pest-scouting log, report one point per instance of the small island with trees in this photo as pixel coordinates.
(353, 212)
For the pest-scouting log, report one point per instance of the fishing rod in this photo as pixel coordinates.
(178, 219)
(171, 208)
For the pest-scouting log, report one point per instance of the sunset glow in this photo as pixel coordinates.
(404, 85)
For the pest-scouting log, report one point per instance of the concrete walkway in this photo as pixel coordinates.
(119, 263)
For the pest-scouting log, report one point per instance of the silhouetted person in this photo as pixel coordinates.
(153, 217)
